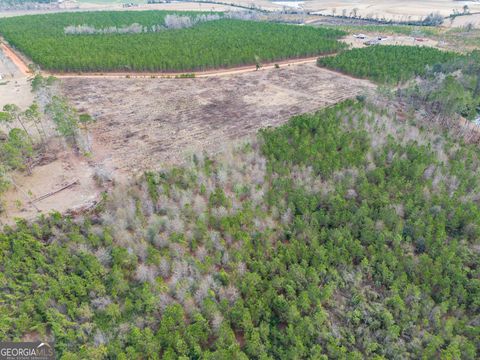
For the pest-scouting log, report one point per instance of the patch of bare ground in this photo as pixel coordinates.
(14, 84)
(148, 123)
(354, 42)
(62, 182)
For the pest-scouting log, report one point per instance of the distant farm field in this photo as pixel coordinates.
(387, 63)
(141, 41)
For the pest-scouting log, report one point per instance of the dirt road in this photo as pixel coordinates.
(15, 59)
(197, 74)
(145, 123)
(24, 69)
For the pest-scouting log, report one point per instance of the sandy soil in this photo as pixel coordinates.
(64, 169)
(145, 123)
(14, 85)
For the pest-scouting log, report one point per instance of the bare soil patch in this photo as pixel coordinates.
(354, 42)
(49, 177)
(145, 123)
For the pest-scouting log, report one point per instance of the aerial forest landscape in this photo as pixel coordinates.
(239, 180)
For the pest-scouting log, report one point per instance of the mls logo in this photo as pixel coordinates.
(26, 351)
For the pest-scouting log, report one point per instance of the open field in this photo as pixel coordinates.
(144, 123)
(80, 7)
(396, 10)
(399, 10)
(145, 41)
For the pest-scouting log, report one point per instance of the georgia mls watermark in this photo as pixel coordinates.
(26, 351)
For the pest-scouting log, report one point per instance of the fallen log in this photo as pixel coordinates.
(43, 197)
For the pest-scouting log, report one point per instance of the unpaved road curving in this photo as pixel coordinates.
(24, 69)
(15, 59)
(197, 74)
(145, 123)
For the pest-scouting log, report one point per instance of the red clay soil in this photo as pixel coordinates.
(15, 59)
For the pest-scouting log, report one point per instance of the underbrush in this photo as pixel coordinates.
(342, 234)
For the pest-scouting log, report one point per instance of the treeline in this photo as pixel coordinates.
(222, 43)
(343, 234)
(449, 88)
(387, 64)
(171, 21)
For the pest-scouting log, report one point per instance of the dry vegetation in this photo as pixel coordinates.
(142, 123)
(349, 232)
(212, 254)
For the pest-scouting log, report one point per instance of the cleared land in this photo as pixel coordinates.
(145, 41)
(145, 123)
(53, 174)
(395, 39)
